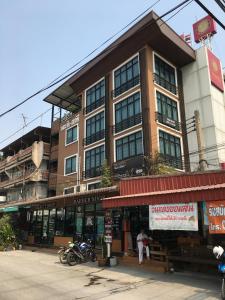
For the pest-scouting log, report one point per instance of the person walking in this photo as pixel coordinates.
(142, 241)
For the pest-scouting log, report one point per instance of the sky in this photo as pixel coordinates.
(42, 39)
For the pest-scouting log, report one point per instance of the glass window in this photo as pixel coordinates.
(60, 217)
(165, 75)
(170, 148)
(69, 190)
(95, 96)
(71, 135)
(126, 76)
(70, 165)
(95, 128)
(127, 112)
(94, 159)
(129, 146)
(93, 186)
(69, 221)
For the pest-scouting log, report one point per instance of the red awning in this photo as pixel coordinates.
(192, 194)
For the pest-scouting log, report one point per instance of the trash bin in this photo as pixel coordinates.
(113, 261)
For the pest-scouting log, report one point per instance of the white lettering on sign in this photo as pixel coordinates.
(70, 123)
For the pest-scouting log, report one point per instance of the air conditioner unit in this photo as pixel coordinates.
(80, 188)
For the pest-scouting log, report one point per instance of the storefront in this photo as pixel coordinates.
(174, 211)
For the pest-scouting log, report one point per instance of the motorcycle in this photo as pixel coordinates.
(219, 253)
(80, 252)
(62, 253)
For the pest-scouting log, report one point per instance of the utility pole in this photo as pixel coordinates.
(202, 160)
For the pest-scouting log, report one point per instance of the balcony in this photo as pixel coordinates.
(93, 172)
(127, 123)
(167, 121)
(30, 175)
(126, 86)
(94, 105)
(21, 155)
(174, 162)
(165, 84)
(94, 137)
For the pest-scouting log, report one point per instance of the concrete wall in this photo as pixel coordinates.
(201, 95)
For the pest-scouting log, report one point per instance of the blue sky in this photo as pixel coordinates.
(41, 39)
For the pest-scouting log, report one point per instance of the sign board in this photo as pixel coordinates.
(130, 167)
(204, 28)
(215, 71)
(108, 239)
(70, 123)
(216, 217)
(182, 216)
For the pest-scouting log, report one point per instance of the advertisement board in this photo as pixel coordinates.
(216, 217)
(204, 28)
(215, 71)
(181, 216)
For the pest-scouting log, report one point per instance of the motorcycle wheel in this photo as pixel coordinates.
(223, 289)
(72, 259)
(63, 258)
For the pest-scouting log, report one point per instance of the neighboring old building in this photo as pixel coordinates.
(24, 167)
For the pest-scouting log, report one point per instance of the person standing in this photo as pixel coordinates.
(142, 241)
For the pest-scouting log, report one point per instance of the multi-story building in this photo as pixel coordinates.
(126, 103)
(24, 168)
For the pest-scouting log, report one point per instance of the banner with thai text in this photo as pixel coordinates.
(216, 216)
(181, 216)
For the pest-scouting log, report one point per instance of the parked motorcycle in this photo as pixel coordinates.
(62, 253)
(219, 253)
(80, 252)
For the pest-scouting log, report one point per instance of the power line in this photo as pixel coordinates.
(221, 5)
(58, 80)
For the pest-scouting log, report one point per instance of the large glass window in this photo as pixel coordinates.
(70, 165)
(95, 96)
(170, 148)
(127, 112)
(167, 111)
(126, 76)
(93, 161)
(69, 221)
(71, 135)
(165, 75)
(95, 128)
(129, 146)
(60, 217)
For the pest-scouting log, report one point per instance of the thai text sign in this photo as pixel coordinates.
(216, 216)
(204, 28)
(215, 71)
(182, 216)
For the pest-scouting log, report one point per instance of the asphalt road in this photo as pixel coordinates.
(26, 275)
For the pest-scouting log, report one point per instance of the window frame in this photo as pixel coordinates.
(67, 129)
(67, 188)
(123, 136)
(84, 158)
(120, 66)
(65, 159)
(171, 65)
(85, 95)
(85, 125)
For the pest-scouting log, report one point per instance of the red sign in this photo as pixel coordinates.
(215, 71)
(216, 216)
(204, 28)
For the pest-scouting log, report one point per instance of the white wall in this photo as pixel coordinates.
(200, 95)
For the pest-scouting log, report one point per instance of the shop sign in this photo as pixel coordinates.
(108, 227)
(216, 217)
(204, 28)
(70, 123)
(108, 239)
(129, 168)
(87, 200)
(181, 216)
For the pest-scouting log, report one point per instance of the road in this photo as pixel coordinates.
(26, 275)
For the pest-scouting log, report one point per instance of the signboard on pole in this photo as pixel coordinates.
(216, 216)
(181, 216)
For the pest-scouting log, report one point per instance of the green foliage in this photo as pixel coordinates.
(106, 179)
(7, 235)
(155, 165)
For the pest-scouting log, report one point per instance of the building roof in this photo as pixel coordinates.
(36, 134)
(150, 30)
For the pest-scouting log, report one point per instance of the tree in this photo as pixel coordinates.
(155, 165)
(106, 179)
(7, 234)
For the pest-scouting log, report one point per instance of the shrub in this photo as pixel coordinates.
(7, 235)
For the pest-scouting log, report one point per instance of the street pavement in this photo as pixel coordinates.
(26, 275)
